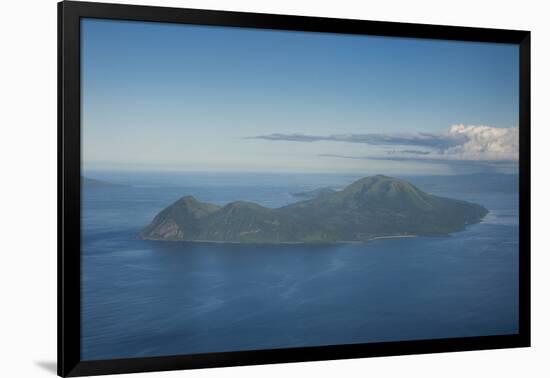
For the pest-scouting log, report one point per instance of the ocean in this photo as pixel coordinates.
(155, 298)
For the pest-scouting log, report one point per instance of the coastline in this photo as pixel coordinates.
(393, 237)
(285, 243)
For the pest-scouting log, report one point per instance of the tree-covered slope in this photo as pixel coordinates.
(371, 207)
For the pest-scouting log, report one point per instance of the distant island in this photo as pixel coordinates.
(370, 208)
(87, 182)
(313, 193)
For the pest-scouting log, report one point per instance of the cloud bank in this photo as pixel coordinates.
(461, 144)
(440, 141)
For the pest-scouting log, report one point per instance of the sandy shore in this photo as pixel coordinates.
(393, 237)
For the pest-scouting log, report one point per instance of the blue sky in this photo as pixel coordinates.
(180, 97)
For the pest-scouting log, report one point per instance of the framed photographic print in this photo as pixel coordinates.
(239, 188)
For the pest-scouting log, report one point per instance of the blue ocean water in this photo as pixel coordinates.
(152, 298)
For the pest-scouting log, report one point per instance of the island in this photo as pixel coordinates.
(87, 182)
(370, 208)
(313, 193)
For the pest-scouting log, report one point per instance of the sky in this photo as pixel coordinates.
(158, 96)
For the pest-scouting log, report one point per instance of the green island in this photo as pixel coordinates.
(370, 208)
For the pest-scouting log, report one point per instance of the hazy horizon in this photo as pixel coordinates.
(167, 97)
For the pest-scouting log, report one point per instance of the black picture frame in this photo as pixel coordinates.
(69, 15)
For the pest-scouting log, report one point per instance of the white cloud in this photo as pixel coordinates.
(484, 143)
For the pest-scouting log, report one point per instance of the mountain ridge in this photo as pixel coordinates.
(371, 207)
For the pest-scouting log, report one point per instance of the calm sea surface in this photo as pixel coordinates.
(152, 298)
